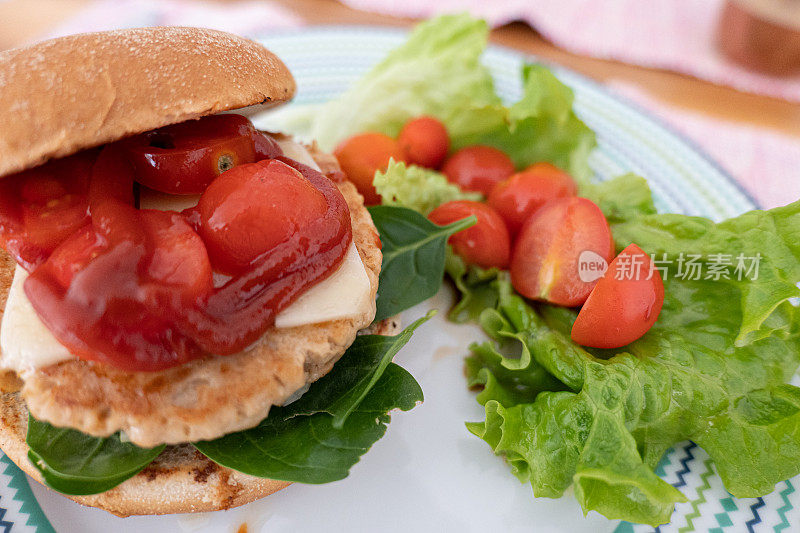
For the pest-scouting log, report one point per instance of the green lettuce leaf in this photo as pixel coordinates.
(689, 377)
(318, 438)
(417, 188)
(621, 198)
(438, 72)
(78, 464)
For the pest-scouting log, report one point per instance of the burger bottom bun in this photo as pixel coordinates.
(180, 480)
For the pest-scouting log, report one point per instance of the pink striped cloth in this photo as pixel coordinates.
(765, 163)
(675, 35)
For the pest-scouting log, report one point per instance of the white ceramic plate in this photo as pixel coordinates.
(428, 473)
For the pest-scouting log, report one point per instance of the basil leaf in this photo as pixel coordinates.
(318, 438)
(74, 463)
(413, 257)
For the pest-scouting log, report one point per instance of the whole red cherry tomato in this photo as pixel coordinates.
(43, 206)
(485, 244)
(362, 155)
(623, 305)
(522, 194)
(478, 168)
(185, 158)
(551, 244)
(234, 208)
(424, 142)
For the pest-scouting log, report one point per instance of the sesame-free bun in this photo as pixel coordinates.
(63, 95)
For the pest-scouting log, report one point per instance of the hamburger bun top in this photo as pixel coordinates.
(64, 95)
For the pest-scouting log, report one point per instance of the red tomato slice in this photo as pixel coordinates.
(185, 158)
(485, 244)
(518, 197)
(251, 209)
(624, 304)
(424, 141)
(362, 155)
(43, 206)
(478, 168)
(179, 257)
(545, 259)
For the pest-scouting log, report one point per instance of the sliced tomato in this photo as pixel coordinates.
(265, 146)
(252, 208)
(485, 244)
(43, 206)
(478, 168)
(185, 158)
(424, 142)
(624, 304)
(362, 155)
(518, 197)
(179, 257)
(549, 247)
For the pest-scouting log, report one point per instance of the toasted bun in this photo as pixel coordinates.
(64, 95)
(180, 480)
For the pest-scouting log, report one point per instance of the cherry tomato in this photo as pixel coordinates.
(478, 168)
(179, 257)
(485, 244)
(185, 158)
(252, 208)
(43, 206)
(362, 155)
(624, 304)
(545, 259)
(424, 142)
(522, 194)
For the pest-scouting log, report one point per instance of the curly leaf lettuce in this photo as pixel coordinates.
(438, 72)
(417, 188)
(690, 377)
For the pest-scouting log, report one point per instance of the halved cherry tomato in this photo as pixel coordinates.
(185, 158)
(362, 155)
(252, 208)
(179, 257)
(623, 305)
(545, 259)
(478, 168)
(41, 207)
(424, 142)
(485, 244)
(522, 194)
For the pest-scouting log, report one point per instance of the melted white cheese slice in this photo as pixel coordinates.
(27, 344)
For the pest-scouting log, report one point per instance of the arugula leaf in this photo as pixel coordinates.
(78, 464)
(417, 188)
(318, 438)
(413, 257)
(687, 378)
(438, 72)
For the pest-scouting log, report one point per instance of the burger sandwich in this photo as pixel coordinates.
(183, 298)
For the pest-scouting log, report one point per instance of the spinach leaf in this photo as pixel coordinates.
(413, 257)
(318, 438)
(78, 464)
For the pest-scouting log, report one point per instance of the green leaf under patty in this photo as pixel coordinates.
(318, 438)
(78, 464)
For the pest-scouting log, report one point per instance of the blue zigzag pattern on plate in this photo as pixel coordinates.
(685, 464)
(756, 518)
(5, 524)
(22, 492)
